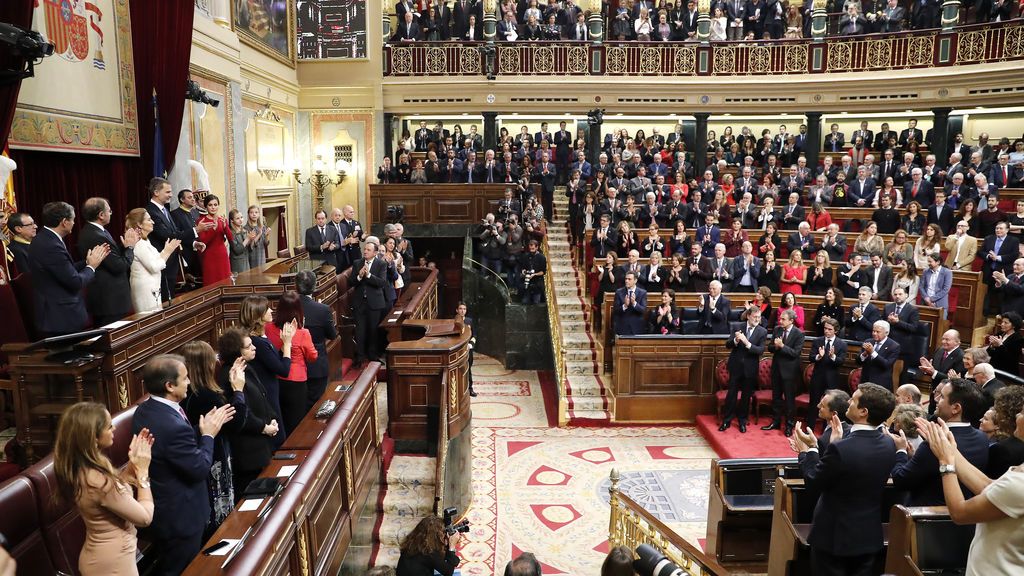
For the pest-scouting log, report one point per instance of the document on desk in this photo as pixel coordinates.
(286, 471)
(223, 550)
(250, 505)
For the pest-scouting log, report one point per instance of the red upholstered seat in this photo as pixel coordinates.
(763, 394)
(19, 522)
(62, 526)
(854, 379)
(802, 400)
(722, 383)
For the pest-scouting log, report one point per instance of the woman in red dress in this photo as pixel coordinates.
(214, 258)
(794, 274)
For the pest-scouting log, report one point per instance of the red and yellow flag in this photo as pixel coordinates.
(9, 202)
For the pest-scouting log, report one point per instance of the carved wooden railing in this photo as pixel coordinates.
(630, 525)
(974, 44)
(555, 328)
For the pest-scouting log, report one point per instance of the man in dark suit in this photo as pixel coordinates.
(165, 228)
(713, 310)
(319, 320)
(833, 403)
(879, 278)
(949, 356)
(878, 356)
(56, 280)
(862, 188)
(828, 352)
(891, 17)
(546, 173)
(746, 346)
(882, 139)
(786, 346)
(186, 216)
(23, 229)
(903, 317)
(846, 533)
(1011, 286)
(834, 140)
(109, 296)
(630, 308)
(917, 189)
(369, 274)
(960, 402)
(834, 243)
(407, 31)
(543, 134)
(1002, 175)
(181, 463)
(911, 132)
(604, 238)
(942, 213)
(319, 239)
(998, 251)
(803, 241)
(984, 375)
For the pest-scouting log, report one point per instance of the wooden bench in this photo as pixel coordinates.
(809, 302)
(925, 540)
(740, 507)
(440, 203)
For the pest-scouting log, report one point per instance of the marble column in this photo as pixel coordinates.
(389, 134)
(703, 21)
(595, 20)
(700, 147)
(491, 15)
(819, 21)
(950, 14)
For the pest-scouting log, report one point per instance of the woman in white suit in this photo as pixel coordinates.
(148, 264)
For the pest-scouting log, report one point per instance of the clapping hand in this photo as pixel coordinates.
(803, 438)
(940, 439)
(869, 348)
(206, 225)
(131, 238)
(778, 342)
(901, 442)
(236, 376)
(288, 331)
(97, 254)
(140, 453)
(211, 422)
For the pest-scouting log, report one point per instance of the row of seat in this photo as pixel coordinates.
(46, 537)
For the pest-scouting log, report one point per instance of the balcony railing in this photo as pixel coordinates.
(976, 44)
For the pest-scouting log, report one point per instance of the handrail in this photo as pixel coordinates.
(555, 328)
(442, 445)
(931, 48)
(496, 275)
(630, 525)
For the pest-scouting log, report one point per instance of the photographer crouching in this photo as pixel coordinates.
(431, 547)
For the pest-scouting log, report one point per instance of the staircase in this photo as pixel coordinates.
(588, 400)
(408, 497)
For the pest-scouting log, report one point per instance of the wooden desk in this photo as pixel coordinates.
(437, 203)
(309, 527)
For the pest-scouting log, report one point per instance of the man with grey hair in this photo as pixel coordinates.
(786, 347)
(985, 376)
(878, 356)
(949, 356)
(919, 190)
(369, 274)
(713, 310)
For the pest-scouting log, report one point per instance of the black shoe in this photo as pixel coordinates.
(472, 393)
(725, 426)
(772, 426)
(789, 430)
(743, 427)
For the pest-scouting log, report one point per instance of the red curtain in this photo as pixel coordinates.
(19, 13)
(43, 177)
(162, 44)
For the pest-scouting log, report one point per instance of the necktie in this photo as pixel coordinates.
(828, 346)
(913, 192)
(945, 355)
(183, 415)
(1006, 177)
(999, 244)
(785, 335)
(167, 214)
(899, 309)
(323, 236)
(750, 330)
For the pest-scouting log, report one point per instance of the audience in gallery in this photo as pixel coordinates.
(674, 21)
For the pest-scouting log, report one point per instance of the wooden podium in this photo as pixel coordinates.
(428, 402)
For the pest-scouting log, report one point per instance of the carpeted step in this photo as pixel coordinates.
(585, 385)
(587, 403)
(580, 368)
(393, 529)
(574, 325)
(579, 355)
(411, 471)
(416, 500)
(387, 556)
(588, 415)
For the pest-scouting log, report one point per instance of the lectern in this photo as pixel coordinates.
(428, 401)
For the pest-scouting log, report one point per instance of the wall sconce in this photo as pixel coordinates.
(319, 180)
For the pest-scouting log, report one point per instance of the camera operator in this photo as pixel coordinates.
(509, 206)
(492, 243)
(530, 272)
(428, 548)
(515, 245)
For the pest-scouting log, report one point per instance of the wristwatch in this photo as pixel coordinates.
(947, 469)
(144, 483)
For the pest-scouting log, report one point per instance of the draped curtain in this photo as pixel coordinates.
(161, 41)
(19, 13)
(162, 44)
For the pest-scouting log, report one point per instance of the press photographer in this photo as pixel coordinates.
(492, 243)
(430, 547)
(532, 265)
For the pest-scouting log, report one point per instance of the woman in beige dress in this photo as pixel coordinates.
(104, 498)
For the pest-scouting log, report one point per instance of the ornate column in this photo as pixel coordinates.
(819, 21)
(596, 22)
(490, 20)
(703, 22)
(940, 135)
(950, 14)
(812, 150)
(386, 21)
(700, 147)
(491, 132)
(389, 135)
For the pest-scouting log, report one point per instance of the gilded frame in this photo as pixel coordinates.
(251, 39)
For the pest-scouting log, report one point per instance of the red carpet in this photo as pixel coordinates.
(754, 444)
